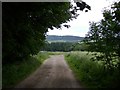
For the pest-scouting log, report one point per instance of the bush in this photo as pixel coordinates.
(92, 73)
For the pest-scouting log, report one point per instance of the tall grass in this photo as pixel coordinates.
(90, 73)
(13, 73)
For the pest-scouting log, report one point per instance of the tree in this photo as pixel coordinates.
(25, 25)
(104, 37)
(79, 46)
(58, 46)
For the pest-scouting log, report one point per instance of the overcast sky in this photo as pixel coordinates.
(80, 26)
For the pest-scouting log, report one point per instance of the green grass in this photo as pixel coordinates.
(91, 74)
(12, 74)
(55, 53)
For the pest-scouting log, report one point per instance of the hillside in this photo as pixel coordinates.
(55, 38)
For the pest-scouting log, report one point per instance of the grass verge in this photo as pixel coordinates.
(90, 73)
(13, 73)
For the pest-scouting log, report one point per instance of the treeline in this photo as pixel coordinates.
(64, 46)
(66, 38)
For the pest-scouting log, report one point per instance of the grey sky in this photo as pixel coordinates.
(80, 26)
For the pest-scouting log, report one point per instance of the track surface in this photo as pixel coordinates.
(53, 73)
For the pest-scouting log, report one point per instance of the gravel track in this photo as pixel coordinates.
(53, 73)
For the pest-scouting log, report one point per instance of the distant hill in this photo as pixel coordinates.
(55, 38)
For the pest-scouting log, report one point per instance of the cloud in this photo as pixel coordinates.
(80, 26)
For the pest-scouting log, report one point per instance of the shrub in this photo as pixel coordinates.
(92, 73)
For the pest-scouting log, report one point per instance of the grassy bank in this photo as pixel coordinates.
(91, 74)
(13, 73)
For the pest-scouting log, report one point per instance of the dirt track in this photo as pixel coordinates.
(53, 73)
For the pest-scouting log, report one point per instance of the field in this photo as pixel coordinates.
(55, 53)
(90, 73)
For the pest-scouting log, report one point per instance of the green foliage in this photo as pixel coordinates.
(64, 46)
(90, 73)
(25, 25)
(12, 74)
(58, 46)
(80, 46)
(104, 37)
